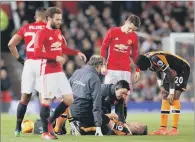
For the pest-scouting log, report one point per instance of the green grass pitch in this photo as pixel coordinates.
(186, 129)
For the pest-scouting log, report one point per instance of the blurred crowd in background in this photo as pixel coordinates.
(86, 23)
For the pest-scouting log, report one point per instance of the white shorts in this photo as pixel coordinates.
(55, 85)
(113, 76)
(30, 75)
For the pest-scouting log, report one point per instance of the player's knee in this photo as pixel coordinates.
(164, 97)
(68, 99)
(25, 97)
(46, 101)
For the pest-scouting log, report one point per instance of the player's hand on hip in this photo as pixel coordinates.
(60, 60)
(137, 76)
(82, 56)
(21, 60)
(170, 98)
(98, 131)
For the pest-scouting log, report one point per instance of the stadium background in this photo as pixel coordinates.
(84, 26)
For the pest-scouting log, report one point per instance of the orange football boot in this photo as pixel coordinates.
(160, 131)
(173, 132)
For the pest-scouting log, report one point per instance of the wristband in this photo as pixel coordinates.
(21, 60)
(171, 91)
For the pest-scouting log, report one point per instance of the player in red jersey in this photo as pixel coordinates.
(50, 45)
(120, 42)
(31, 65)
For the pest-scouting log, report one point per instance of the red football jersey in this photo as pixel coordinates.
(50, 43)
(28, 33)
(120, 46)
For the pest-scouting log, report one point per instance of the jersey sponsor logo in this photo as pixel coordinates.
(79, 83)
(160, 63)
(129, 42)
(56, 44)
(50, 38)
(121, 46)
(35, 27)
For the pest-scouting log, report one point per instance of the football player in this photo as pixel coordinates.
(116, 47)
(172, 76)
(31, 70)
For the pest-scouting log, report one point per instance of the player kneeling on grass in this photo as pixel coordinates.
(172, 76)
(114, 95)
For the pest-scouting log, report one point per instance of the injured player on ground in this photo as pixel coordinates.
(77, 128)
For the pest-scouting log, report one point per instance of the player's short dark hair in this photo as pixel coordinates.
(122, 84)
(52, 10)
(96, 60)
(135, 20)
(145, 130)
(143, 62)
(40, 9)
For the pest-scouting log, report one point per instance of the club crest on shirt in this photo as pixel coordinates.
(129, 42)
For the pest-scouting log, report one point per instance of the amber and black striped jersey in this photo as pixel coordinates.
(161, 60)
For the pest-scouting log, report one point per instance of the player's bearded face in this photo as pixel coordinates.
(56, 21)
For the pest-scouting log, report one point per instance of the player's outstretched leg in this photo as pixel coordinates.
(165, 110)
(21, 110)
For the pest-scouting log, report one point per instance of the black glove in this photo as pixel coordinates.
(21, 60)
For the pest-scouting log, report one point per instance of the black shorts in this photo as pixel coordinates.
(181, 80)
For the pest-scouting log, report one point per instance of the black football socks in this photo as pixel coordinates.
(44, 114)
(21, 110)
